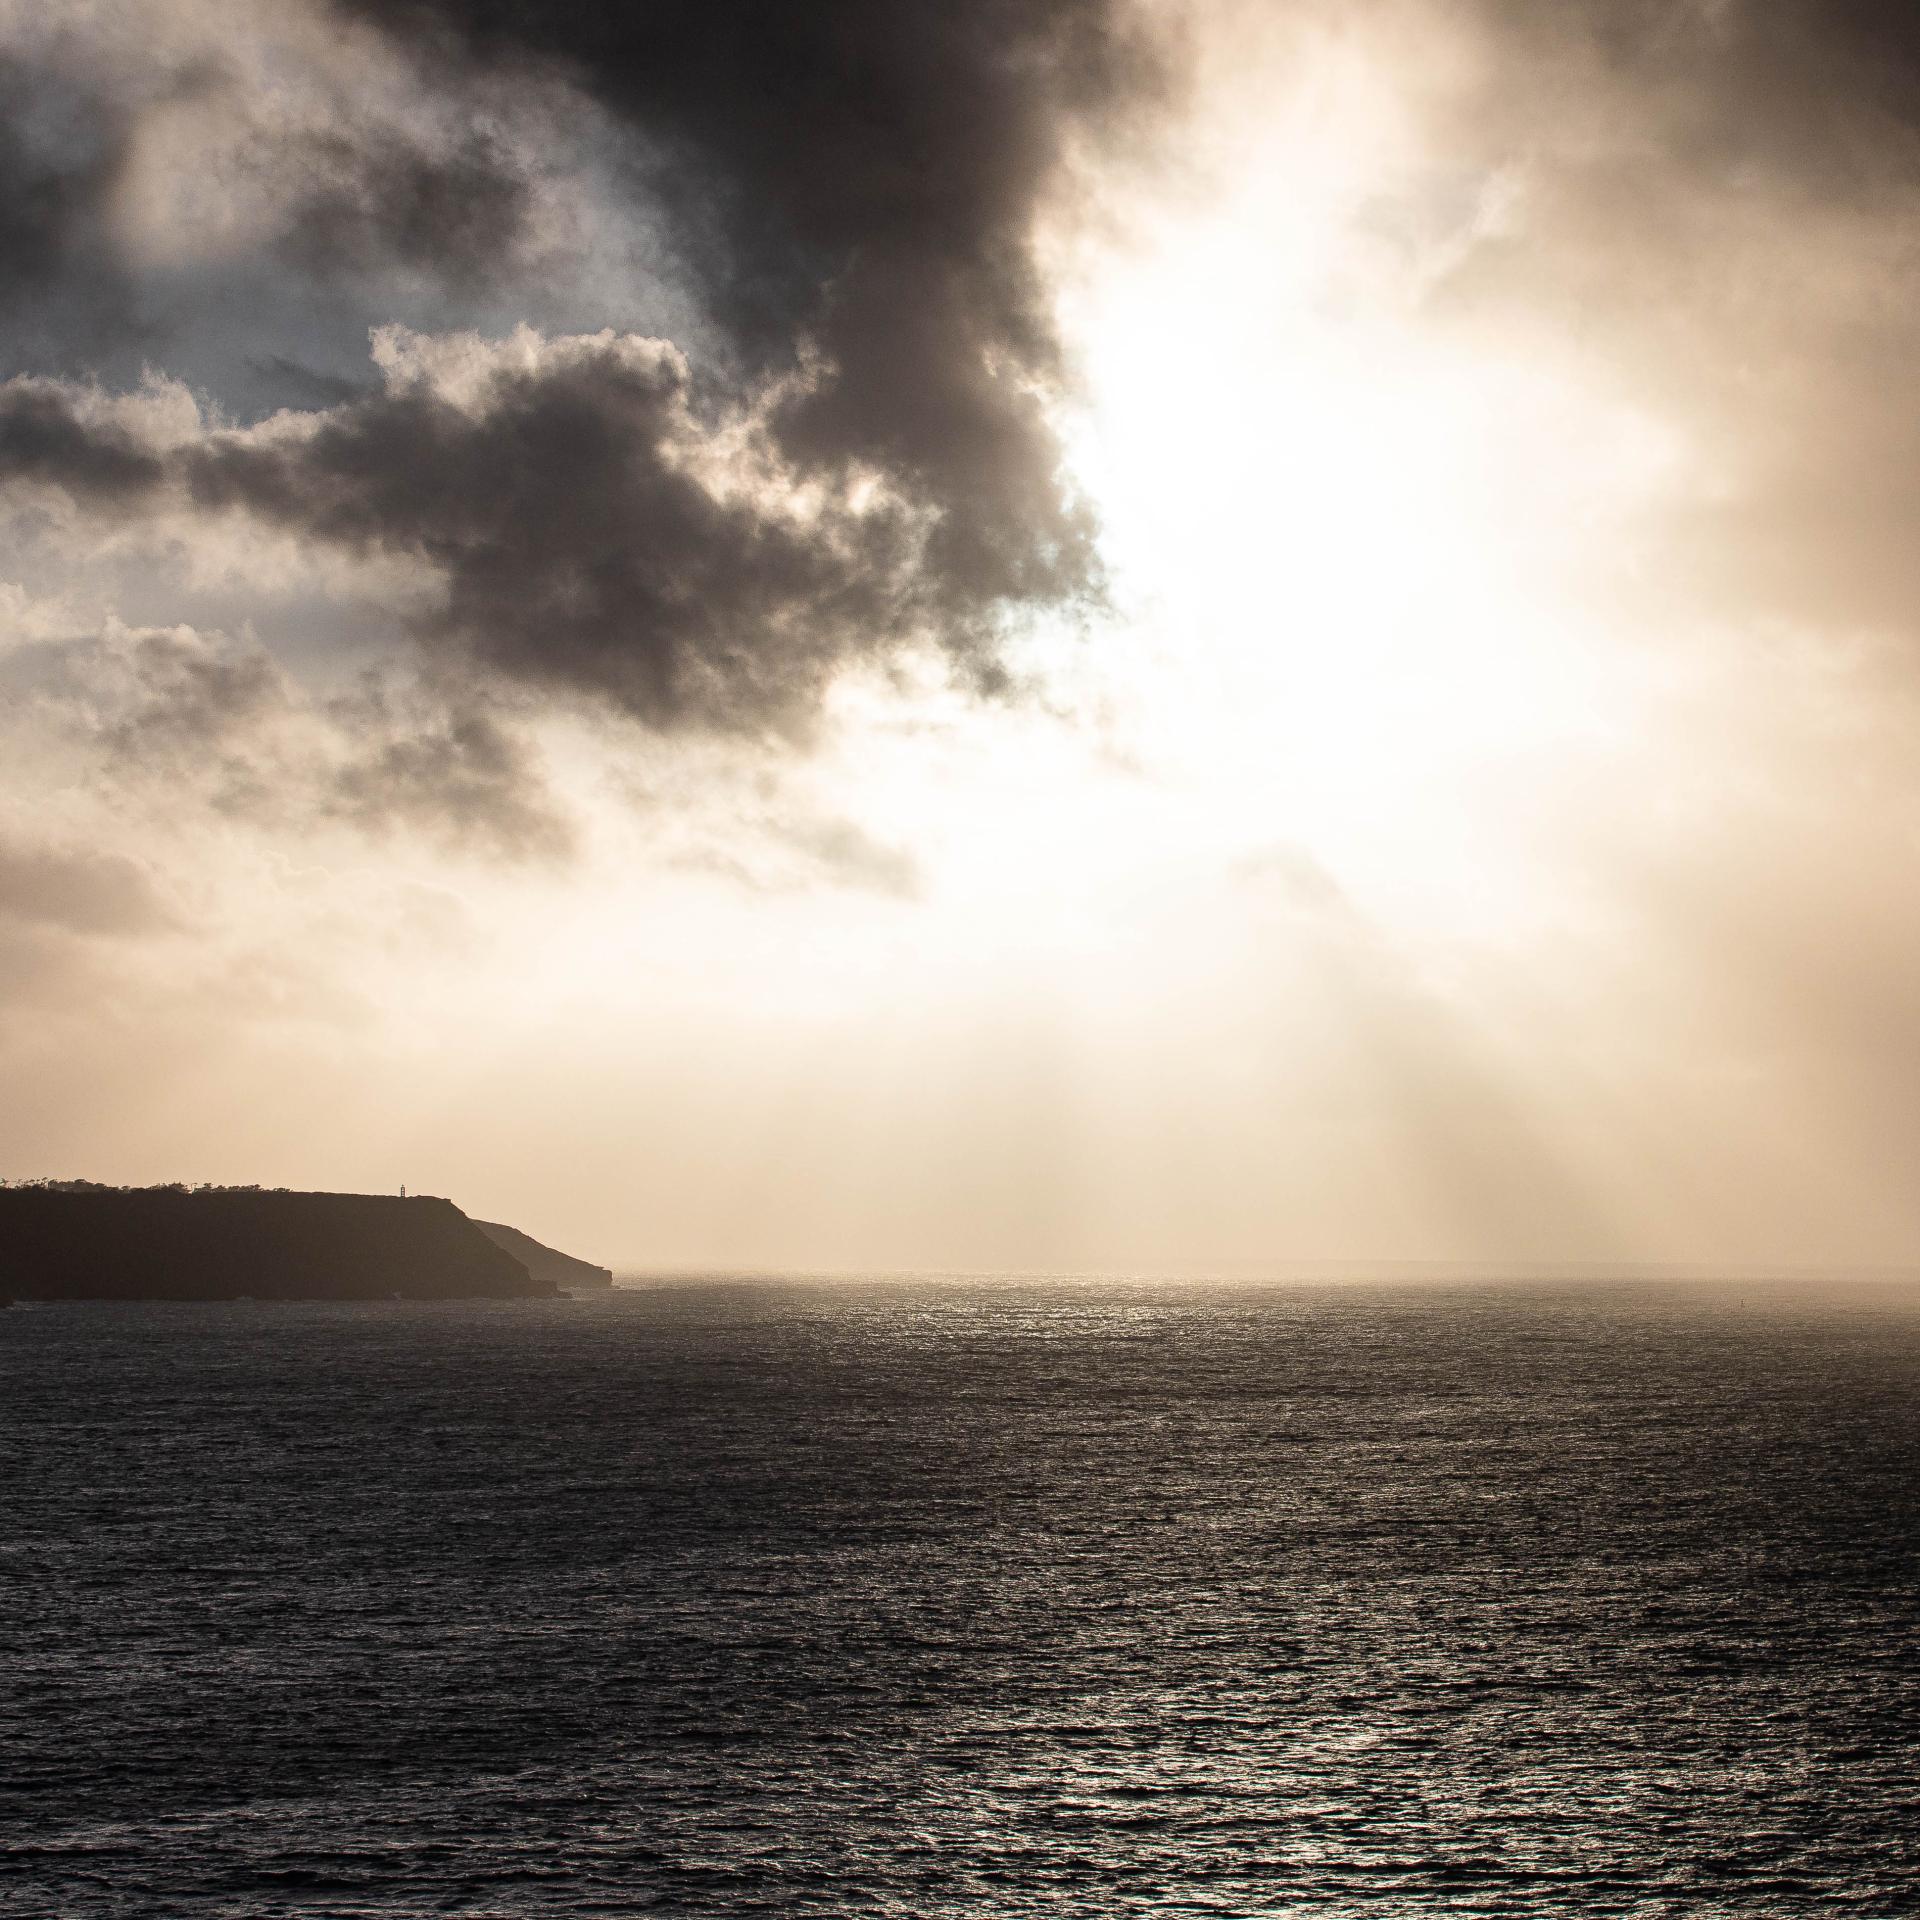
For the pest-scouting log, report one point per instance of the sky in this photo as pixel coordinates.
(1063, 634)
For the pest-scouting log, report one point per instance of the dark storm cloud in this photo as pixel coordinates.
(63, 295)
(55, 166)
(450, 768)
(1718, 204)
(78, 891)
(849, 192)
(576, 550)
(558, 507)
(1821, 93)
(44, 439)
(199, 722)
(334, 199)
(181, 705)
(1658, 127)
(854, 184)
(377, 201)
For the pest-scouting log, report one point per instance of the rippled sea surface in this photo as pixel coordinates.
(1074, 1598)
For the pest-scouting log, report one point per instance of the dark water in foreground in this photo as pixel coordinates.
(1065, 1599)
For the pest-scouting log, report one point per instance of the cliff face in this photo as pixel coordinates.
(161, 1244)
(546, 1263)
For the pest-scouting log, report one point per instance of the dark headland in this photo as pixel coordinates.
(83, 1242)
(544, 1262)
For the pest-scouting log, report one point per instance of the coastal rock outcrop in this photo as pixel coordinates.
(544, 1262)
(173, 1243)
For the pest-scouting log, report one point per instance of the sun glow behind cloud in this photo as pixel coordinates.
(1351, 536)
(1222, 939)
(1330, 907)
(1359, 555)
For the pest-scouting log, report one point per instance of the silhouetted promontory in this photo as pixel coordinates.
(82, 1242)
(544, 1262)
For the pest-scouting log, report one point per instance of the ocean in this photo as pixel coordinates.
(995, 1598)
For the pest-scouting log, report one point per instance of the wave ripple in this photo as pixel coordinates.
(931, 1599)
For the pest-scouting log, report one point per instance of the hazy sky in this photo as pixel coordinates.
(1049, 633)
